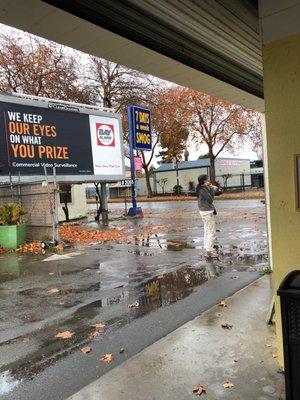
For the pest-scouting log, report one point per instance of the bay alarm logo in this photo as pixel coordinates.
(105, 135)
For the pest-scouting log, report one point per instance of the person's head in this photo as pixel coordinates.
(203, 180)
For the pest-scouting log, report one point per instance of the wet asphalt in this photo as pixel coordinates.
(164, 272)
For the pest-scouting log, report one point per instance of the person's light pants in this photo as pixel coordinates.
(210, 236)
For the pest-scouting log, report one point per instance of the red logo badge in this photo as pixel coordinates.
(105, 135)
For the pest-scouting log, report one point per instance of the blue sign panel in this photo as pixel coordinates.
(140, 128)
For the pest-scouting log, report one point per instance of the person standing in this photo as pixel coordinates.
(205, 194)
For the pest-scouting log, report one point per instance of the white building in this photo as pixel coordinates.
(230, 172)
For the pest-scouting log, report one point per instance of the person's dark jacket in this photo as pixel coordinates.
(205, 198)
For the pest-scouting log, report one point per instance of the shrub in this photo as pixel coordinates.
(177, 189)
(11, 214)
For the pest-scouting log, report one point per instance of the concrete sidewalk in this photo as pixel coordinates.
(202, 352)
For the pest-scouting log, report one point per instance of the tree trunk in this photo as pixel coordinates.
(147, 175)
(148, 183)
(212, 169)
(66, 211)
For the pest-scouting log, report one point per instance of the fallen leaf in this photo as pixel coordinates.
(98, 326)
(234, 277)
(268, 345)
(199, 390)
(25, 340)
(227, 385)
(54, 290)
(226, 326)
(235, 360)
(119, 286)
(275, 355)
(107, 358)
(94, 334)
(134, 305)
(51, 273)
(121, 350)
(86, 349)
(64, 335)
(87, 269)
(222, 303)
(59, 247)
(76, 234)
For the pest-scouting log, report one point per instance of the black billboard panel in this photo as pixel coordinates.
(31, 137)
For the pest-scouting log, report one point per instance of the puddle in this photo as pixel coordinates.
(7, 383)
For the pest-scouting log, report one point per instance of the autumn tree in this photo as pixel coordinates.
(116, 86)
(221, 125)
(34, 66)
(171, 121)
(37, 67)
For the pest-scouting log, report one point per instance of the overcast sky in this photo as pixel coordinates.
(194, 153)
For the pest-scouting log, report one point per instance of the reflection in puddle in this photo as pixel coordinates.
(7, 382)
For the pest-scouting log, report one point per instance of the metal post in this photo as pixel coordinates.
(126, 204)
(132, 169)
(11, 187)
(19, 187)
(55, 206)
(175, 166)
(104, 204)
(134, 210)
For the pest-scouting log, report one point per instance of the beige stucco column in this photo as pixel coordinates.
(280, 30)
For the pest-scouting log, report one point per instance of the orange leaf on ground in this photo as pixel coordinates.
(268, 345)
(99, 325)
(86, 349)
(107, 358)
(65, 335)
(222, 303)
(134, 305)
(227, 385)
(121, 350)
(32, 247)
(54, 290)
(199, 390)
(94, 334)
(275, 355)
(119, 286)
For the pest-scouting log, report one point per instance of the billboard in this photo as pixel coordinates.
(140, 128)
(76, 143)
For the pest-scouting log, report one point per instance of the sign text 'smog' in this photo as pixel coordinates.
(142, 121)
(140, 127)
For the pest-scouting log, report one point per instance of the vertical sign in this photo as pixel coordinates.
(138, 164)
(141, 128)
(139, 121)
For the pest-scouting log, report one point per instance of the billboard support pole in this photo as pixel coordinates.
(104, 212)
(56, 199)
